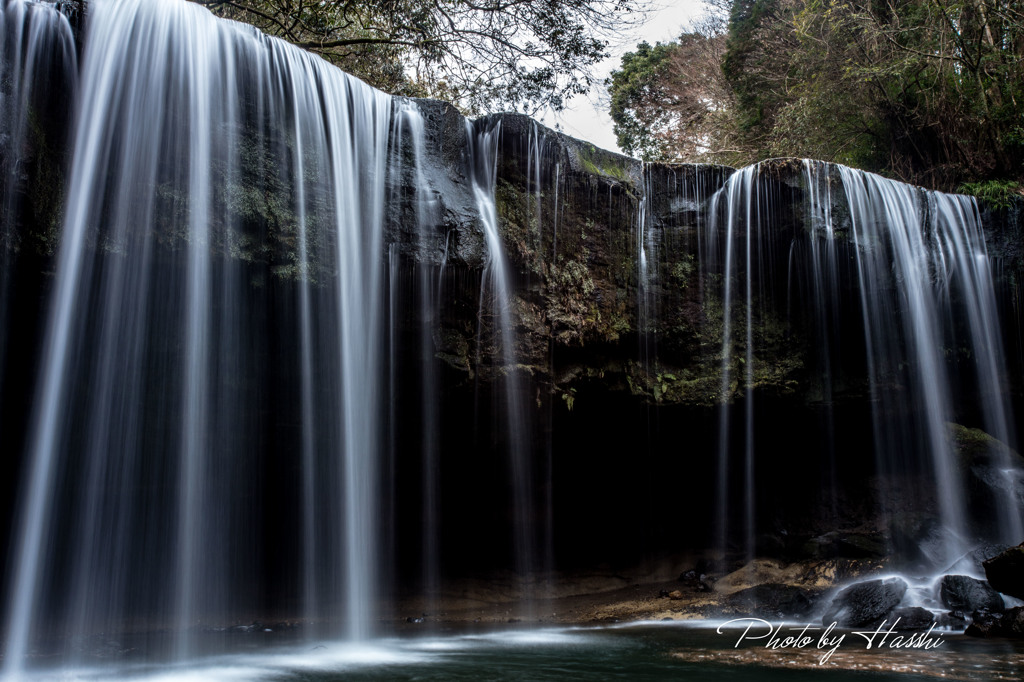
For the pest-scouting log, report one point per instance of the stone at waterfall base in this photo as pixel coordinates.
(866, 603)
(1005, 572)
(1008, 624)
(966, 594)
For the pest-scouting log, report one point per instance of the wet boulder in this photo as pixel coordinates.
(963, 593)
(690, 576)
(952, 620)
(866, 603)
(911, 618)
(984, 624)
(1005, 572)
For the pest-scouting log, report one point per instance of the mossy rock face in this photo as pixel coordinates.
(577, 223)
(1004, 234)
(605, 164)
(568, 237)
(975, 445)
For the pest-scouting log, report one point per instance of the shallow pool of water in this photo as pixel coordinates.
(644, 651)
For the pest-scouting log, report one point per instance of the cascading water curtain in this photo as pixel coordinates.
(882, 279)
(496, 306)
(410, 186)
(38, 68)
(738, 245)
(200, 446)
(922, 265)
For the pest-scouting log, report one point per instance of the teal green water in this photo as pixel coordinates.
(636, 652)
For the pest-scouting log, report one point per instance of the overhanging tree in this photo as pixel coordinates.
(481, 54)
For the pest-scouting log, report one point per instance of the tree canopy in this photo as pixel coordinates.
(670, 102)
(928, 91)
(480, 54)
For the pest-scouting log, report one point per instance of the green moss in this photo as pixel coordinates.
(518, 226)
(692, 374)
(996, 193)
(570, 398)
(572, 311)
(682, 271)
(618, 324)
(973, 444)
(602, 163)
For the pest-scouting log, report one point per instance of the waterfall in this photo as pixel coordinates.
(537, 153)
(36, 52)
(409, 128)
(496, 308)
(38, 67)
(287, 345)
(824, 299)
(915, 261)
(916, 251)
(141, 485)
(645, 323)
(736, 210)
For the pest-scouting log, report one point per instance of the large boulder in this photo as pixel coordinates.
(865, 604)
(1005, 572)
(963, 593)
(773, 599)
(911, 618)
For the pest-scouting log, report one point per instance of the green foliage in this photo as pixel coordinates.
(640, 80)
(746, 62)
(669, 101)
(928, 91)
(997, 193)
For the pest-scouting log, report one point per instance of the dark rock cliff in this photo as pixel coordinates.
(619, 325)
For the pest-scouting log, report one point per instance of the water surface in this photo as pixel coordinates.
(645, 651)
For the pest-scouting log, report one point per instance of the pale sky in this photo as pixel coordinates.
(586, 117)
